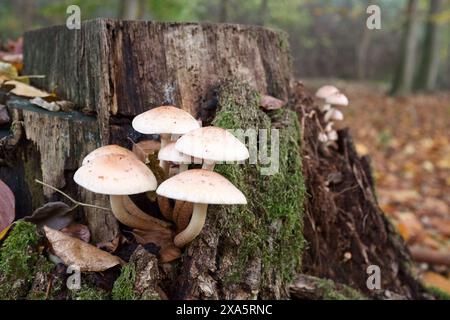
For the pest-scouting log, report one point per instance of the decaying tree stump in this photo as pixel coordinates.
(114, 70)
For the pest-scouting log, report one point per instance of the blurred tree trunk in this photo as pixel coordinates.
(429, 67)
(362, 49)
(25, 9)
(403, 81)
(263, 11)
(223, 11)
(131, 9)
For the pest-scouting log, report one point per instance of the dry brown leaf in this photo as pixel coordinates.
(7, 206)
(25, 90)
(436, 280)
(4, 232)
(50, 106)
(111, 246)
(410, 227)
(162, 238)
(442, 225)
(74, 251)
(79, 231)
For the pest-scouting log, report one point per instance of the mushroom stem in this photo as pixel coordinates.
(165, 139)
(121, 214)
(194, 227)
(135, 211)
(208, 165)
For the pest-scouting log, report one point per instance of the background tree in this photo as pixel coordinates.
(404, 77)
(429, 67)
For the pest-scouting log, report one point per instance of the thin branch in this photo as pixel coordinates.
(77, 203)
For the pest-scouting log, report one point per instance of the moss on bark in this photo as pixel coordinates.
(18, 256)
(270, 226)
(124, 285)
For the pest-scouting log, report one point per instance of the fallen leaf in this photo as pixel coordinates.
(442, 225)
(111, 246)
(25, 90)
(162, 238)
(409, 226)
(399, 195)
(73, 251)
(4, 232)
(7, 206)
(79, 231)
(271, 103)
(50, 106)
(436, 280)
(56, 215)
(7, 70)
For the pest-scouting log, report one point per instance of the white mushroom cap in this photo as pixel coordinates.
(338, 99)
(116, 175)
(332, 135)
(213, 144)
(169, 153)
(326, 91)
(105, 150)
(165, 120)
(333, 114)
(201, 186)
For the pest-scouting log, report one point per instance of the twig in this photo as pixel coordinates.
(77, 203)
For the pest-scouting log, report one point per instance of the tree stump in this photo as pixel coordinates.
(114, 70)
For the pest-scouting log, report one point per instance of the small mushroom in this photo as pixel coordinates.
(105, 150)
(119, 176)
(332, 135)
(322, 137)
(333, 114)
(329, 126)
(337, 99)
(165, 121)
(326, 91)
(212, 144)
(201, 187)
(170, 154)
(118, 150)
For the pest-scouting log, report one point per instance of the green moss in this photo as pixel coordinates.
(18, 257)
(438, 293)
(89, 293)
(124, 286)
(42, 273)
(341, 292)
(271, 222)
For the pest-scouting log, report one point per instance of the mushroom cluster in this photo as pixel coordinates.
(332, 98)
(118, 172)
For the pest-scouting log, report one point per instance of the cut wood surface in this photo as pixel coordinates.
(123, 68)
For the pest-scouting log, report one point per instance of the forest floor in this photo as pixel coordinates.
(407, 139)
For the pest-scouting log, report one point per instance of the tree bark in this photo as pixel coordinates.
(404, 77)
(115, 70)
(429, 67)
(109, 71)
